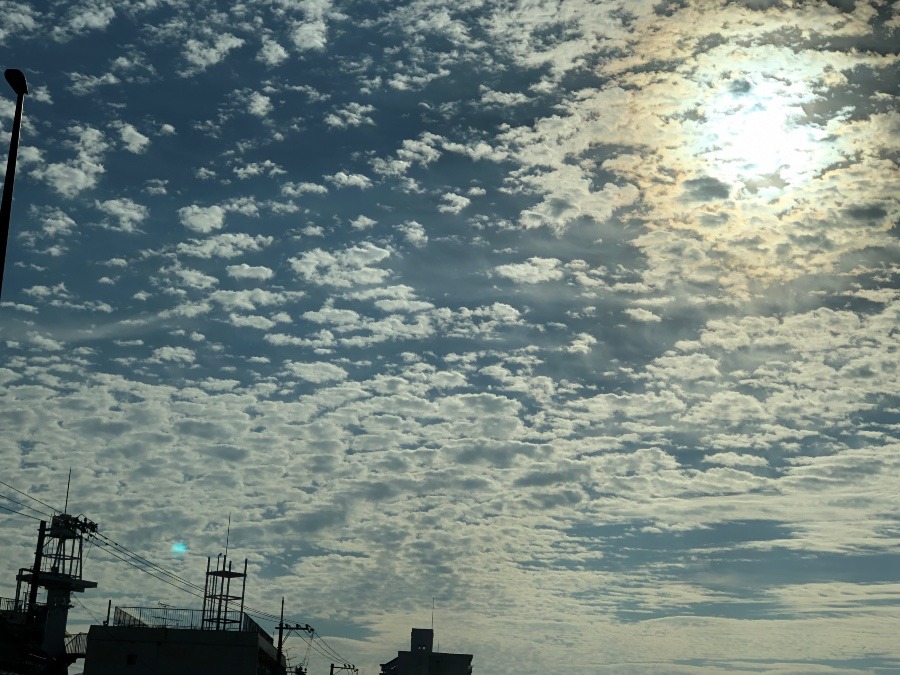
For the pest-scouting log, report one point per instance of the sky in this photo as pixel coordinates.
(578, 317)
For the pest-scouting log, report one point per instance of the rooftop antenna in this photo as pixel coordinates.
(69, 483)
(228, 535)
(432, 613)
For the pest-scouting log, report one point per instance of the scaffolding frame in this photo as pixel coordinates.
(217, 594)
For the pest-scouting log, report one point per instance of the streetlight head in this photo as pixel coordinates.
(16, 79)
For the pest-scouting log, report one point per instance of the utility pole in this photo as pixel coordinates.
(17, 81)
(36, 572)
(280, 635)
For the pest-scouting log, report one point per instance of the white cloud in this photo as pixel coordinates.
(21, 20)
(582, 344)
(533, 271)
(156, 186)
(250, 321)
(344, 269)
(453, 203)
(271, 52)
(362, 223)
(54, 222)
(502, 99)
(129, 213)
(84, 85)
(316, 373)
(267, 167)
(225, 245)
(45, 343)
(642, 315)
(41, 291)
(195, 278)
(297, 189)
(84, 19)
(414, 233)
(203, 219)
(420, 151)
(251, 299)
(174, 354)
(351, 115)
(133, 140)
(82, 173)
(342, 179)
(735, 459)
(259, 104)
(245, 271)
(200, 55)
(310, 35)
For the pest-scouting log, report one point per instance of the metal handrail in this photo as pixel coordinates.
(77, 645)
(172, 617)
(10, 604)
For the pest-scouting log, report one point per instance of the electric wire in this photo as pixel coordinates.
(115, 554)
(54, 509)
(5, 508)
(124, 549)
(321, 652)
(330, 648)
(325, 649)
(16, 501)
(87, 609)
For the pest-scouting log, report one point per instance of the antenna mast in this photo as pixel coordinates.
(68, 485)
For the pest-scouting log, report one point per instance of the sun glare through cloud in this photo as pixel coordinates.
(754, 131)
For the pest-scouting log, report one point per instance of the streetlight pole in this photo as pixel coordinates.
(16, 80)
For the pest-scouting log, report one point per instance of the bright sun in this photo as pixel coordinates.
(755, 132)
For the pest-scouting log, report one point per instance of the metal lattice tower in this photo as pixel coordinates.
(217, 595)
(57, 569)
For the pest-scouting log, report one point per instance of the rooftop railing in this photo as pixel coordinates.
(171, 617)
(10, 605)
(77, 645)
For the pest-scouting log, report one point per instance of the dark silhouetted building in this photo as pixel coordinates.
(421, 659)
(155, 640)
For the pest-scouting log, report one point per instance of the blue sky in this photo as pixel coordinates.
(578, 317)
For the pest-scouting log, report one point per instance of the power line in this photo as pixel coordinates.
(87, 609)
(54, 509)
(325, 650)
(319, 650)
(107, 542)
(19, 513)
(16, 501)
(115, 555)
(330, 648)
(327, 646)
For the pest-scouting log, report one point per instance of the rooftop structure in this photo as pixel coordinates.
(33, 624)
(421, 659)
(220, 638)
(151, 640)
(215, 639)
